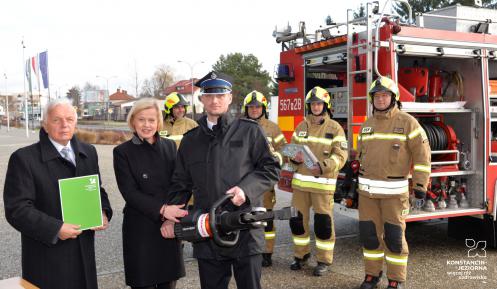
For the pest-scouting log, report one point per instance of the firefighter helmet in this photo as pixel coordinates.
(318, 94)
(384, 84)
(255, 98)
(174, 99)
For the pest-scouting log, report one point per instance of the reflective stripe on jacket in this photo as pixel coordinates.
(389, 145)
(327, 142)
(274, 136)
(383, 187)
(174, 130)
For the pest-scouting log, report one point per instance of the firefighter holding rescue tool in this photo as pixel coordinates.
(389, 144)
(314, 187)
(223, 155)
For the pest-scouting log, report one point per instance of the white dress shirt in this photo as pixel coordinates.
(59, 148)
(210, 124)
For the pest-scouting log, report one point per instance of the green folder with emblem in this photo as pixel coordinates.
(80, 201)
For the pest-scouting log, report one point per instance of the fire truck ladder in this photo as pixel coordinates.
(351, 73)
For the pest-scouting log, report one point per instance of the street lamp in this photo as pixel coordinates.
(58, 94)
(25, 93)
(191, 78)
(108, 94)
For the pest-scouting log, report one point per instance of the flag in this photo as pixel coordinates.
(43, 59)
(34, 64)
(28, 73)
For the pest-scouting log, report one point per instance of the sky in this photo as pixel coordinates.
(118, 39)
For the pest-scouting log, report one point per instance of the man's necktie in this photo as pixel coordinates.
(66, 153)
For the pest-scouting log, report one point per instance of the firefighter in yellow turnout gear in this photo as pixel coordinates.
(175, 122)
(315, 187)
(389, 144)
(255, 106)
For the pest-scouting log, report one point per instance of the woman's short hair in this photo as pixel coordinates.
(142, 104)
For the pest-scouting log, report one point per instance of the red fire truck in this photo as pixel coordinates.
(446, 69)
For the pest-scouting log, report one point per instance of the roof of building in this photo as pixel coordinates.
(182, 87)
(119, 102)
(120, 94)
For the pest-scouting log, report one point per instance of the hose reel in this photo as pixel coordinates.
(444, 145)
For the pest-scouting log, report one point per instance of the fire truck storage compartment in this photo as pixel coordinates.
(467, 121)
(321, 70)
(492, 75)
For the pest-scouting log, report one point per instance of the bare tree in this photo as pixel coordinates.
(90, 87)
(136, 80)
(360, 11)
(155, 86)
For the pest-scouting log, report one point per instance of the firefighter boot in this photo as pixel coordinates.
(370, 281)
(266, 260)
(392, 284)
(298, 263)
(320, 269)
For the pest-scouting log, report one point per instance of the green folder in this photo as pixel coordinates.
(80, 201)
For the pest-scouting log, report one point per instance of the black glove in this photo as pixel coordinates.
(418, 194)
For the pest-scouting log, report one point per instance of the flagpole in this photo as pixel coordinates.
(48, 76)
(25, 93)
(7, 96)
(37, 64)
(32, 98)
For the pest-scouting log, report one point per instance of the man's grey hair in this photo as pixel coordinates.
(53, 103)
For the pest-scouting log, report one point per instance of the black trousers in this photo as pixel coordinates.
(216, 274)
(167, 285)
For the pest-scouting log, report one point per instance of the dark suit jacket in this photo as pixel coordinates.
(32, 206)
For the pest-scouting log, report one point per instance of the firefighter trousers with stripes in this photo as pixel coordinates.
(324, 230)
(382, 232)
(270, 229)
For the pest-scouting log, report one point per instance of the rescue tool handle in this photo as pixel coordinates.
(212, 222)
(283, 214)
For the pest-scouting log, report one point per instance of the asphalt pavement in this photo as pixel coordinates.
(435, 260)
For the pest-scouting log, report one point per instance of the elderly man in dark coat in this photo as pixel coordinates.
(55, 255)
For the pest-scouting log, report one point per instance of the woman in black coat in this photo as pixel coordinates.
(143, 168)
